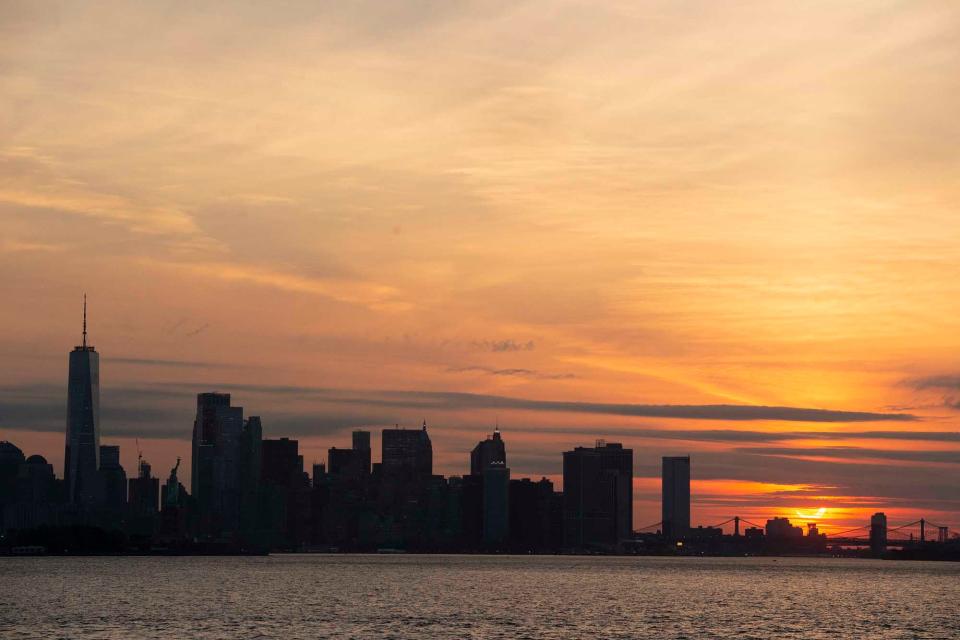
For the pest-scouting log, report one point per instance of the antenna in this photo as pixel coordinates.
(84, 320)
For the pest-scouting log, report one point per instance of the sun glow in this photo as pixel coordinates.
(819, 513)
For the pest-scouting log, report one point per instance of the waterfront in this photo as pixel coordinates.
(316, 596)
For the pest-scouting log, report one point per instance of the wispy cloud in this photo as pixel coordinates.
(514, 372)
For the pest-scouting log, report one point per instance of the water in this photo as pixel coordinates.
(311, 596)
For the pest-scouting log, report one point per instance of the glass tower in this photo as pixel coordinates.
(82, 451)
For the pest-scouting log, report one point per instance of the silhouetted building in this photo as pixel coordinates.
(536, 516)
(779, 529)
(82, 449)
(878, 534)
(113, 479)
(406, 453)
(675, 497)
(597, 496)
(11, 457)
(487, 452)
(215, 477)
(144, 491)
(361, 444)
(287, 503)
(496, 504)
(347, 463)
(251, 454)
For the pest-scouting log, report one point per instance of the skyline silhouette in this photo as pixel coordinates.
(817, 510)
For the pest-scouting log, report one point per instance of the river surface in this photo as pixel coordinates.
(343, 596)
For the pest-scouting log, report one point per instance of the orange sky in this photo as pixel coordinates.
(349, 214)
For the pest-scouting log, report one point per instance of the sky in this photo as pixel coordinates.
(729, 230)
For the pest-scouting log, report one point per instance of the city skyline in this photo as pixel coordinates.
(220, 433)
(621, 220)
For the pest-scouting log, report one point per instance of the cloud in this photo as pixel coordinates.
(500, 346)
(519, 372)
(844, 454)
(948, 384)
(160, 362)
(449, 400)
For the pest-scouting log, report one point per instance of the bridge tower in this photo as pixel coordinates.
(942, 533)
(923, 531)
(736, 526)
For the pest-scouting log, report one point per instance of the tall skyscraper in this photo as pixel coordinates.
(406, 453)
(216, 462)
(878, 533)
(488, 461)
(675, 497)
(486, 452)
(113, 478)
(597, 496)
(82, 450)
(361, 444)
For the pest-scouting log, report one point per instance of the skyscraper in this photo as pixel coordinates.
(82, 451)
(406, 453)
(675, 497)
(488, 460)
(597, 496)
(215, 477)
(486, 452)
(113, 478)
(361, 443)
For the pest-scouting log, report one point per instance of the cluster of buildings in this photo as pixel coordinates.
(253, 493)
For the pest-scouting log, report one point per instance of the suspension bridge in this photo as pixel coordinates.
(918, 532)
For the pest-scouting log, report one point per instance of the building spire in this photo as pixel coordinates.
(84, 321)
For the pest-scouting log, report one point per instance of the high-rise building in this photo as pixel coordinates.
(144, 493)
(361, 444)
(878, 533)
(675, 497)
(487, 452)
(113, 478)
(215, 478)
(406, 453)
(496, 504)
(597, 496)
(82, 450)
(488, 461)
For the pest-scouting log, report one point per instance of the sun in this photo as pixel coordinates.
(819, 513)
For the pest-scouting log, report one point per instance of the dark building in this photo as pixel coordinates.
(487, 452)
(345, 463)
(597, 496)
(536, 516)
(251, 458)
(11, 457)
(878, 534)
(215, 477)
(406, 453)
(82, 450)
(361, 443)
(675, 497)
(144, 494)
(488, 460)
(113, 478)
(286, 488)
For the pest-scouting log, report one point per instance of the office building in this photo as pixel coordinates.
(82, 450)
(113, 479)
(406, 453)
(878, 533)
(215, 465)
(675, 497)
(487, 452)
(597, 496)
